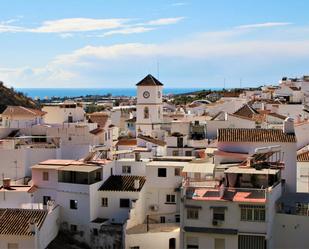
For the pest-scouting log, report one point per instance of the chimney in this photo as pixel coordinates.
(288, 126)
(136, 184)
(137, 156)
(32, 226)
(6, 182)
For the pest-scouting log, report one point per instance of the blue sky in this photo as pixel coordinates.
(197, 43)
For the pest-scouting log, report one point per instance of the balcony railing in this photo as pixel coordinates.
(226, 193)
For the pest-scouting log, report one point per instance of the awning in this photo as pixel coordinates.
(207, 168)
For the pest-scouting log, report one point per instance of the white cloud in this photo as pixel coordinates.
(165, 21)
(179, 4)
(263, 25)
(66, 26)
(127, 31)
(78, 25)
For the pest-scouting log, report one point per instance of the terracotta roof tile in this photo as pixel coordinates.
(303, 157)
(96, 131)
(128, 142)
(16, 221)
(99, 118)
(20, 110)
(152, 140)
(123, 183)
(254, 135)
(246, 111)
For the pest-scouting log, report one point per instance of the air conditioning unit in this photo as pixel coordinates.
(154, 208)
(216, 222)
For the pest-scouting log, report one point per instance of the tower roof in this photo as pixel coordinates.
(149, 80)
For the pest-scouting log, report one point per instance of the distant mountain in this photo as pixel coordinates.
(9, 96)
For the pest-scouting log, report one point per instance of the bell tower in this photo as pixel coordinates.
(149, 109)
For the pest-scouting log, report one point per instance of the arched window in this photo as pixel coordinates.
(146, 112)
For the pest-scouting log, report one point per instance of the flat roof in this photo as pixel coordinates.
(84, 168)
(250, 170)
(201, 167)
(166, 164)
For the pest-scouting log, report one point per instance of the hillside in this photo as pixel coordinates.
(8, 96)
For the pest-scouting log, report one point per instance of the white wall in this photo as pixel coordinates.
(291, 231)
(152, 240)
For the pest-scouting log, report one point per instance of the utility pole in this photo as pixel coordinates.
(224, 83)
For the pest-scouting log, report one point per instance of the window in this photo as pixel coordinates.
(95, 232)
(175, 153)
(188, 153)
(134, 247)
(252, 213)
(73, 228)
(162, 219)
(70, 119)
(302, 208)
(177, 171)
(124, 203)
(73, 204)
(98, 176)
(45, 176)
(12, 246)
(170, 199)
(104, 202)
(172, 243)
(126, 169)
(105, 136)
(192, 242)
(161, 172)
(46, 199)
(251, 241)
(146, 112)
(159, 94)
(219, 243)
(192, 213)
(218, 213)
(177, 218)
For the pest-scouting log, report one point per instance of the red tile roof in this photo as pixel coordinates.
(126, 142)
(254, 135)
(99, 118)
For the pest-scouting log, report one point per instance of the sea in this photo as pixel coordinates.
(42, 93)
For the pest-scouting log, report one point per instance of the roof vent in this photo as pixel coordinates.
(6, 182)
(288, 126)
(136, 184)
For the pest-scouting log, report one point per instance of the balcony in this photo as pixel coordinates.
(226, 194)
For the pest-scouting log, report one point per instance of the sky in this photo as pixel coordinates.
(114, 44)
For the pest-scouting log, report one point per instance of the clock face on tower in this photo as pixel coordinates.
(146, 94)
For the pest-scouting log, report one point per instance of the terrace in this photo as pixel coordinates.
(250, 181)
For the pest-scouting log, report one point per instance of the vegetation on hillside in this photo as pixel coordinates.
(9, 96)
